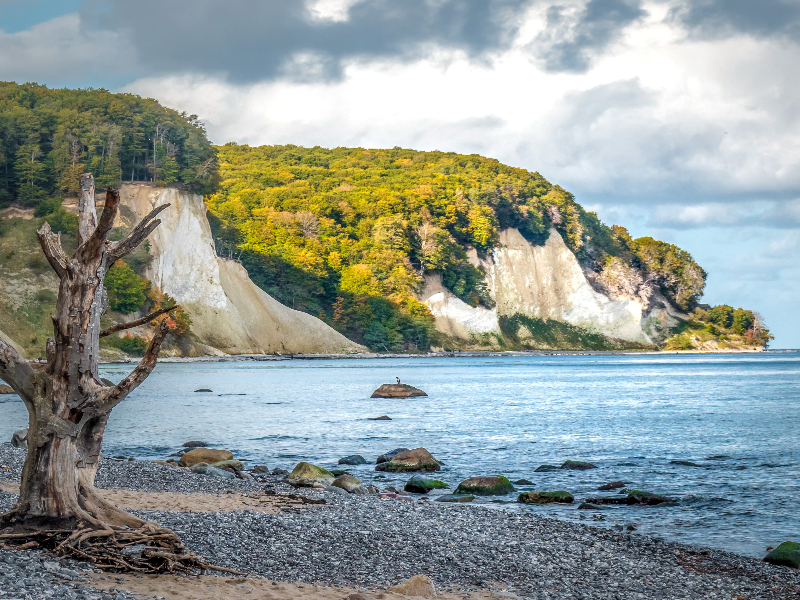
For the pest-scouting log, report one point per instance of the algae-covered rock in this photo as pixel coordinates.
(523, 482)
(558, 496)
(634, 497)
(353, 459)
(787, 555)
(495, 485)
(236, 465)
(545, 468)
(307, 475)
(206, 455)
(397, 390)
(418, 459)
(422, 485)
(577, 465)
(455, 498)
(347, 482)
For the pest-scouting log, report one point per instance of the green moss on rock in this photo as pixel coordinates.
(787, 555)
(306, 475)
(558, 496)
(496, 485)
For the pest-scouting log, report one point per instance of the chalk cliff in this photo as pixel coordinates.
(229, 312)
(546, 283)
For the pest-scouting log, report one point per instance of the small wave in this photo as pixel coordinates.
(695, 499)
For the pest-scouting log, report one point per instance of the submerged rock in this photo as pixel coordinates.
(422, 485)
(684, 463)
(418, 459)
(353, 459)
(787, 555)
(545, 468)
(614, 485)
(577, 465)
(635, 497)
(206, 455)
(397, 390)
(495, 485)
(455, 498)
(523, 482)
(307, 475)
(388, 456)
(194, 444)
(558, 496)
(590, 506)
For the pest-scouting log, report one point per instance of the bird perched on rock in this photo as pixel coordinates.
(398, 379)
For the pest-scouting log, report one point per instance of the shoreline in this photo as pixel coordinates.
(370, 543)
(464, 354)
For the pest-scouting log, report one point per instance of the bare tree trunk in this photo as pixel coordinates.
(69, 405)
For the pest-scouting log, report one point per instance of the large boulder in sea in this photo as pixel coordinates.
(634, 497)
(410, 461)
(308, 475)
(397, 390)
(389, 455)
(577, 465)
(558, 496)
(495, 485)
(418, 484)
(787, 555)
(353, 459)
(204, 455)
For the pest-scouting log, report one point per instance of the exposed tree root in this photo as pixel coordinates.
(149, 549)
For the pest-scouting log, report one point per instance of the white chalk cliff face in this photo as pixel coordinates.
(229, 312)
(545, 282)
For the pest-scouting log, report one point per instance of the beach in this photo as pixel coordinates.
(369, 544)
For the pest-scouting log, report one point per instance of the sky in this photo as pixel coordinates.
(679, 119)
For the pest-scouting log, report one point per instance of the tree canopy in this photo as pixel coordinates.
(49, 137)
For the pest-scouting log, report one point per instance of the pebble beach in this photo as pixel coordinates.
(292, 548)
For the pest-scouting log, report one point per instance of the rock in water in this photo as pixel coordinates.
(381, 418)
(418, 585)
(787, 555)
(635, 497)
(523, 482)
(613, 485)
(204, 390)
(388, 456)
(306, 475)
(496, 485)
(422, 485)
(559, 496)
(397, 390)
(205, 455)
(195, 444)
(545, 468)
(684, 463)
(409, 461)
(20, 439)
(6, 389)
(455, 498)
(577, 465)
(353, 459)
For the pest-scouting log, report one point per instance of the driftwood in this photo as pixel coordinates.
(68, 406)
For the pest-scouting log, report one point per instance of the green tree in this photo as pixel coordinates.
(127, 292)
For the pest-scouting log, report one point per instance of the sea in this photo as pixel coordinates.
(735, 416)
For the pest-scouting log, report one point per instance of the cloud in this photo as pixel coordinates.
(770, 214)
(256, 40)
(725, 18)
(574, 36)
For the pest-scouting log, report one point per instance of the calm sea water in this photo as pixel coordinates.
(738, 416)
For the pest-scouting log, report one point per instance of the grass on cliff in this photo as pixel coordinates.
(521, 332)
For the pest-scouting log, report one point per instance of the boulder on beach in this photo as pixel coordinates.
(6, 389)
(194, 444)
(206, 455)
(20, 439)
(260, 470)
(349, 484)
(634, 497)
(495, 485)
(419, 484)
(558, 496)
(213, 472)
(397, 390)
(306, 475)
(577, 465)
(418, 459)
(418, 585)
(545, 468)
(389, 455)
(236, 465)
(787, 555)
(455, 498)
(353, 459)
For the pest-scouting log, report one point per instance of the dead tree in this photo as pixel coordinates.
(69, 405)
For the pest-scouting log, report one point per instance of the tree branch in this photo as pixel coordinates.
(117, 394)
(15, 370)
(53, 251)
(87, 213)
(135, 237)
(137, 322)
(93, 245)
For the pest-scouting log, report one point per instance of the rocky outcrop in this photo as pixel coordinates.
(547, 283)
(397, 390)
(229, 312)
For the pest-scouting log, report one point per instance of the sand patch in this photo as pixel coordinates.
(255, 588)
(175, 502)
